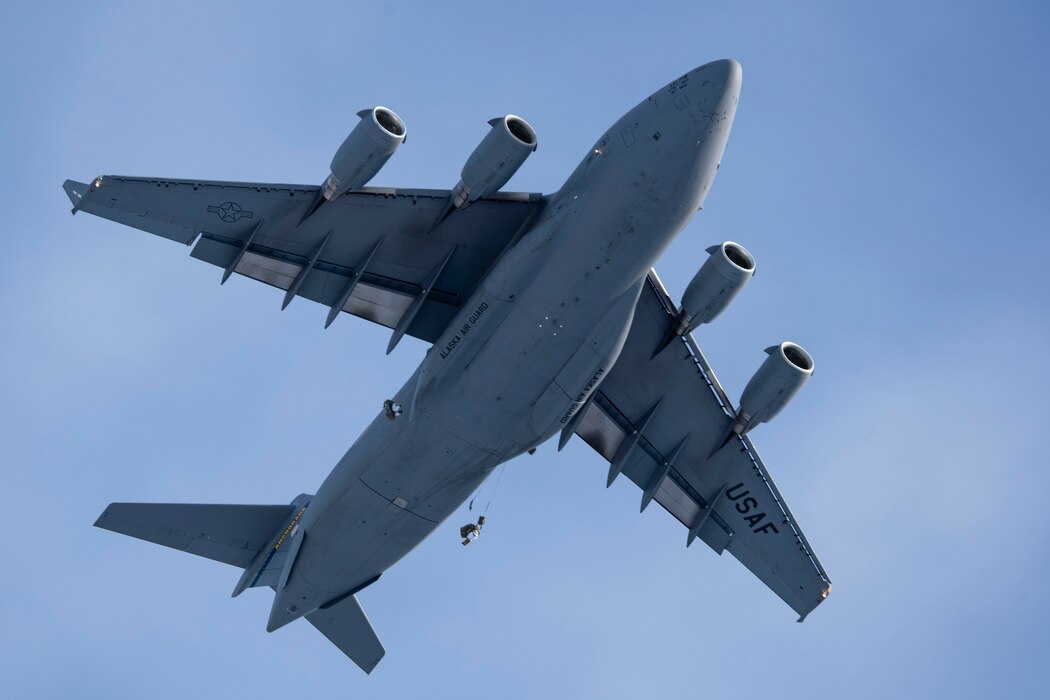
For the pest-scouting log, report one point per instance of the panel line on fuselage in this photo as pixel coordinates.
(403, 508)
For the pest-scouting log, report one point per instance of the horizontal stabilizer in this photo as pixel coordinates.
(75, 190)
(232, 534)
(346, 625)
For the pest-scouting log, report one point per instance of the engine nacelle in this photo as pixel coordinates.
(499, 155)
(366, 150)
(778, 379)
(717, 282)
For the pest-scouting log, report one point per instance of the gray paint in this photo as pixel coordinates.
(528, 317)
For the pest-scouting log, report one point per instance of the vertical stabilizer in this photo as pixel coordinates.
(267, 568)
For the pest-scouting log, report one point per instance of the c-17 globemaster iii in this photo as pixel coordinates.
(545, 317)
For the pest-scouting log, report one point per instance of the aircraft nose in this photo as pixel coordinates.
(720, 78)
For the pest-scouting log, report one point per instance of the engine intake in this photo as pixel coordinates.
(499, 155)
(715, 285)
(365, 151)
(777, 380)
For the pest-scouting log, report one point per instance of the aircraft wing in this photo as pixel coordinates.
(728, 498)
(374, 252)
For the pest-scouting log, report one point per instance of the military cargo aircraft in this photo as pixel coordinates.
(545, 317)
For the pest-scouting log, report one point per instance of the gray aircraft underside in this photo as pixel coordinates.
(545, 317)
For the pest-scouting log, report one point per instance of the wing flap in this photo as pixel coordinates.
(369, 300)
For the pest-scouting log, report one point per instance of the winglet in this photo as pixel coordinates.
(76, 192)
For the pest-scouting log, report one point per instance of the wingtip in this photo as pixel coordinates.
(75, 191)
(370, 665)
(102, 517)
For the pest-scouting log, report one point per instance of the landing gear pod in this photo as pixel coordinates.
(499, 155)
(779, 378)
(365, 151)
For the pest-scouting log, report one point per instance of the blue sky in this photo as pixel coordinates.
(887, 168)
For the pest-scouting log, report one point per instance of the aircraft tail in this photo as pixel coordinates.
(260, 539)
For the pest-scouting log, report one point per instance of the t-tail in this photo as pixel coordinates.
(262, 540)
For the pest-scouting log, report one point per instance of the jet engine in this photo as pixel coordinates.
(778, 379)
(499, 155)
(717, 282)
(367, 148)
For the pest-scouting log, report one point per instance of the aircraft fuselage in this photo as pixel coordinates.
(525, 351)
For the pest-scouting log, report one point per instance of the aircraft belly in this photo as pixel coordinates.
(429, 470)
(532, 372)
(588, 367)
(552, 292)
(362, 535)
(547, 324)
(398, 481)
(521, 357)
